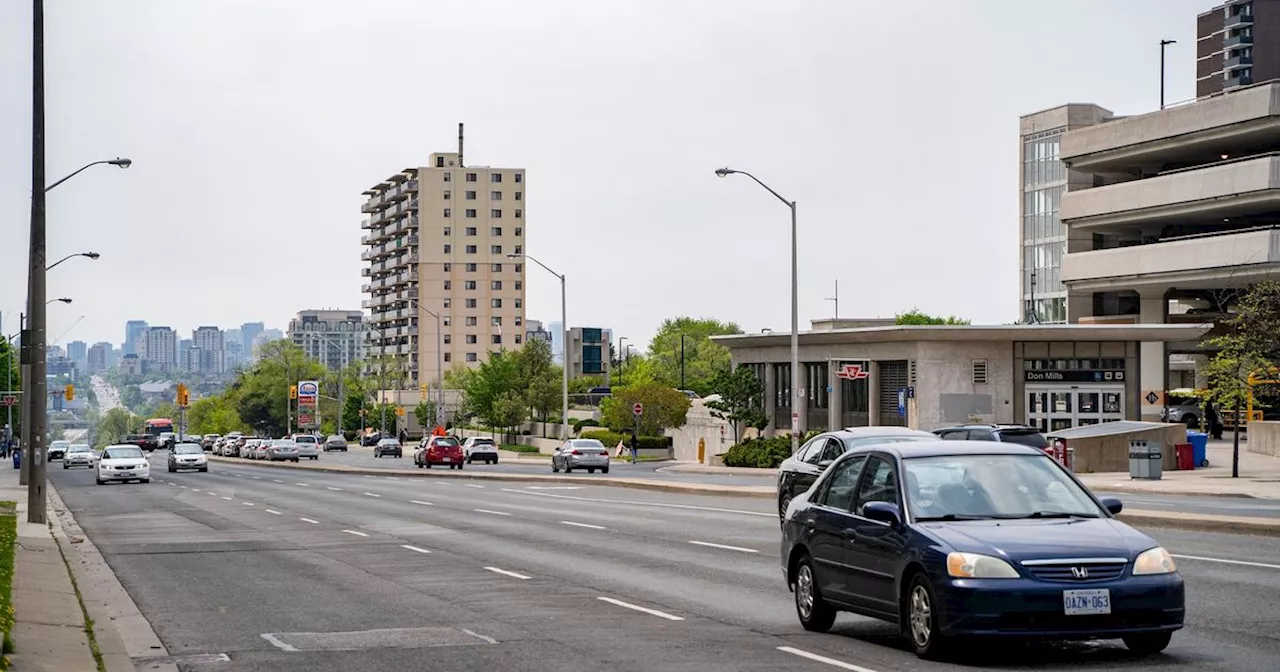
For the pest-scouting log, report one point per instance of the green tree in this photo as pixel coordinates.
(11, 370)
(262, 392)
(214, 415)
(486, 385)
(915, 317)
(703, 360)
(1250, 348)
(114, 425)
(664, 408)
(740, 402)
(509, 410)
(537, 378)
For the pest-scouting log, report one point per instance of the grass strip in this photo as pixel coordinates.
(88, 622)
(8, 545)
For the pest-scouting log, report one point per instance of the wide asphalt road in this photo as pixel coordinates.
(282, 569)
(1221, 506)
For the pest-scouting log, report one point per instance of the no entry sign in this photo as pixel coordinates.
(637, 409)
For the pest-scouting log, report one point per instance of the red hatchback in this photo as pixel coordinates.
(439, 450)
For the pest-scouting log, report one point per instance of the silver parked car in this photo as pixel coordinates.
(78, 455)
(335, 442)
(587, 454)
(281, 450)
(307, 446)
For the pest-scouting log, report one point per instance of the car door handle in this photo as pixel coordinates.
(810, 526)
(850, 534)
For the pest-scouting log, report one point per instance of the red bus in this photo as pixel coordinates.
(157, 426)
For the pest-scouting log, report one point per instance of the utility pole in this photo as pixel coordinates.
(33, 341)
(1163, 44)
(682, 360)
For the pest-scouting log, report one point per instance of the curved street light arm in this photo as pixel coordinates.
(90, 255)
(123, 163)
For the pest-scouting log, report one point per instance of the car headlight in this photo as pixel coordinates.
(976, 566)
(1154, 561)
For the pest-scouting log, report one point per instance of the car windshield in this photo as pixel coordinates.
(188, 449)
(974, 487)
(860, 441)
(1024, 437)
(78, 448)
(122, 452)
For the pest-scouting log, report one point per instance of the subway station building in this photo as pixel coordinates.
(873, 373)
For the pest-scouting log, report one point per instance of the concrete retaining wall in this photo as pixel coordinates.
(1264, 438)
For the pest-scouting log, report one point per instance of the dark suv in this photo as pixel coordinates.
(1024, 435)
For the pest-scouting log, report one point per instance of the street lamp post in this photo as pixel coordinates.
(564, 364)
(795, 311)
(622, 364)
(27, 408)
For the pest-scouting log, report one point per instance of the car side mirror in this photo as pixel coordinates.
(883, 512)
(1112, 504)
(825, 463)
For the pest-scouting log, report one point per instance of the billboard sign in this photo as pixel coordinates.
(308, 402)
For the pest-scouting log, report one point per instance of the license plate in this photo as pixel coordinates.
(1086, 602)
(447, 459)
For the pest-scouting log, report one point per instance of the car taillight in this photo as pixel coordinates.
(576, 452)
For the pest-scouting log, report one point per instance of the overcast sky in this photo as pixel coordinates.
(255, 125)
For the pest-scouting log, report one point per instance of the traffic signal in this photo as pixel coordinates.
(70, 393)
(293, 391)
(184, 396)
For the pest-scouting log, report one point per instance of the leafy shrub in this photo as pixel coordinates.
(611, 439)
(519, 448)
(579, 423)
(766, 453)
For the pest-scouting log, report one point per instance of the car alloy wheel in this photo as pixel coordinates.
(814, 612)
(922, 620)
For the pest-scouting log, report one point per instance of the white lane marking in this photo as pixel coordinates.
(194, 490)
(414, 548)
(308, 520)
(247, 503)
(727, 548)
(480, 636)
(370, 494)
(274, 512)
(330, 487)
(305, 485)
(494, 513)
(368, 476)
(442, 482)
(472, 485)
(506, 573)
(276, 480)
(586, 525)
(212, 493)
(355, 532)
(651, 612)
(392, 478)
(277, 643)
(654, 504)
(227, 498)
(418, 501)
(239, 475)
(1243, 563)
(823, 659)
(257, 478)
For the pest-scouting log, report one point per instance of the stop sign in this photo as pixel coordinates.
(637, 409)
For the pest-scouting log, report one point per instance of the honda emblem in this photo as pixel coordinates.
(1080, 572)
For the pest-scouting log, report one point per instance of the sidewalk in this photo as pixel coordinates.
(49, 629)
(1259, 477)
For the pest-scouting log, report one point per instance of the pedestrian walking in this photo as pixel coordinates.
(635, 447)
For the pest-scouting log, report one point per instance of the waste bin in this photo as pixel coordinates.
(1146, 460)
(1186, 456)
(1199, 447)
(17, 459)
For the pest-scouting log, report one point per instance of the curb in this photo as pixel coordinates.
(632, 483)
(1202, 522)
(112, 609)
(711, 471)
(1131, 490)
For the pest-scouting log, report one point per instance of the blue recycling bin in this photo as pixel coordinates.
(17, 459)
(1199, 447)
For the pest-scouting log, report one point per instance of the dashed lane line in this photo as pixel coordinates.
(414, 548)
(370, 494)
(586, 525)
(356, 532)
(308, 520)
(722, 546)
(492, 513)
(273, 511)
(823, 659)
(419, 501)
(504, 572)
(644, 610)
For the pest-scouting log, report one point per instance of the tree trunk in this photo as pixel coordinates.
(1235, 447)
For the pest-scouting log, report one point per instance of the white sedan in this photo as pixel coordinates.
(123, 462)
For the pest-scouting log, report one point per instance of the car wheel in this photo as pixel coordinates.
(814, 612)
(204, 469)
(604, 470)
(460, 466)
(591, 470)
(922, 620)
(1191, 421)
(783, 504)
(100, 481)
(171, 470)
(1148, 643)
(64, 465)
(144, 480)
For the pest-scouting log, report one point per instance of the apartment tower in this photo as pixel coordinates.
(335, 338)
(438, 242)
(1237, 44)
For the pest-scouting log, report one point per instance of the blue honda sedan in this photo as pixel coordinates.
(970, 539)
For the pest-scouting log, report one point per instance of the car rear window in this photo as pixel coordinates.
(1024, 437)
(445, 443)
(304, 439)
(482, 442)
